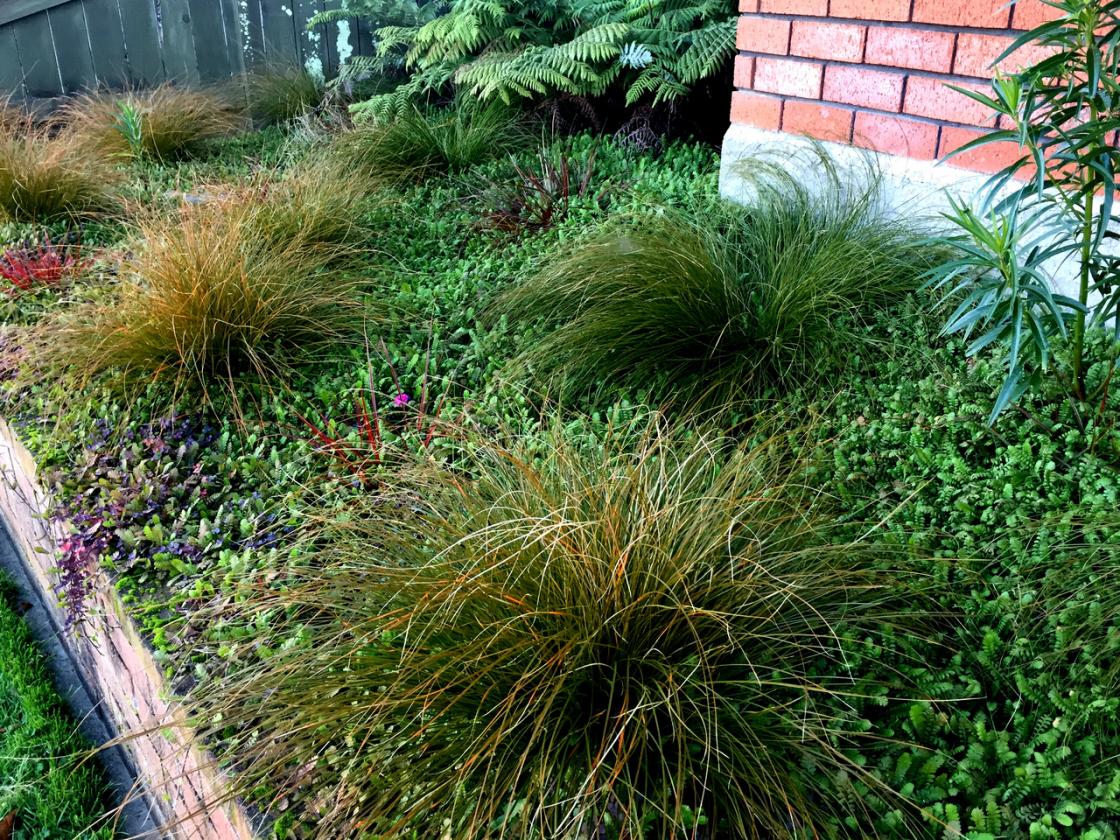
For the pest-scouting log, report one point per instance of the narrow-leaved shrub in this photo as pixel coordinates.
(278, 95)
(420, 142)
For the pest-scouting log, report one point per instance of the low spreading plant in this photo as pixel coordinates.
(212, 293)
(164, 123)
(45, 176)
(419, 143)
(569, 640)
(41, 263)
(728, 299)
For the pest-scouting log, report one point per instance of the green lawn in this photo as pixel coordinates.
(43, 779)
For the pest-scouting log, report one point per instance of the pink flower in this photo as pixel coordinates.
(401, 400)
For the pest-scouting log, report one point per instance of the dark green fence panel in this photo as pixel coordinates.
(279, 32)
(208, 33)
(11, 73)
(51, 47)
(105, 33)
(310, 41)
(71, 45)
(35, 48)
(141, 42)
(180, 62)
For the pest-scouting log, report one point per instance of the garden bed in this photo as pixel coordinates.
(262, 511)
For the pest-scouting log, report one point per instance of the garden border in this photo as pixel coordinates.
(175, 777)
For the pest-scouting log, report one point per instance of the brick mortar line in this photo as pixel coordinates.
(911, 25)
(882, 68)
(865, 109)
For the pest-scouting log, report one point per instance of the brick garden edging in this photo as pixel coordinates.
(177, 777)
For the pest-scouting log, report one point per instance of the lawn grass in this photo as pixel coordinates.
(43, 777)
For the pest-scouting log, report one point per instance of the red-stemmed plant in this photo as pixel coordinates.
(364, 459)
(36, 264)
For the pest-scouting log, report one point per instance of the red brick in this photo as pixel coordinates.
(763, 34)
(833, 41)
(748, 5)
(877, 89)
(792, 78)
(991, 158)
(744, 71)
(754, 109)
(975, 54)
(930, 97)
(871, 9)
(825, 122)
(918, 49)
(896, 135)
(795, 7)
(1028, 14)
(993, 14)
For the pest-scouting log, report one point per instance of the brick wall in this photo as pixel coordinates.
(874, 72)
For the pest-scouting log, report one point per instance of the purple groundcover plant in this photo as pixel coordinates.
(135, 497)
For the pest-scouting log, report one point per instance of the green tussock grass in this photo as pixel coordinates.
(626, 634)
(718, 298)
(423, 142)
(276, 95)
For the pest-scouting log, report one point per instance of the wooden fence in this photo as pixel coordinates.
(52, 47)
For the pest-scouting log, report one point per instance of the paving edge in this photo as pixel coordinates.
(175, 780)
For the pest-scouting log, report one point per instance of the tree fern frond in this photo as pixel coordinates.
(709, 49)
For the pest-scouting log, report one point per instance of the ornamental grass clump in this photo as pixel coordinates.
(419, 143)
(278, 94)
(164, 123)
(733, 298)
(571, 639)
(46, 176)
(316, 204)
(208, 294)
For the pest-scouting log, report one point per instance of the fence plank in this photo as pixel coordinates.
(330, 33)
(254, 37)
(235, 37)
(209, 40)
(179, 60)
(278, 26)
(310, 42)
(16, 9)
(56, 46)
(36, 55)
(71, 46)
(365, 36)
(106, 37)
(11, 73)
